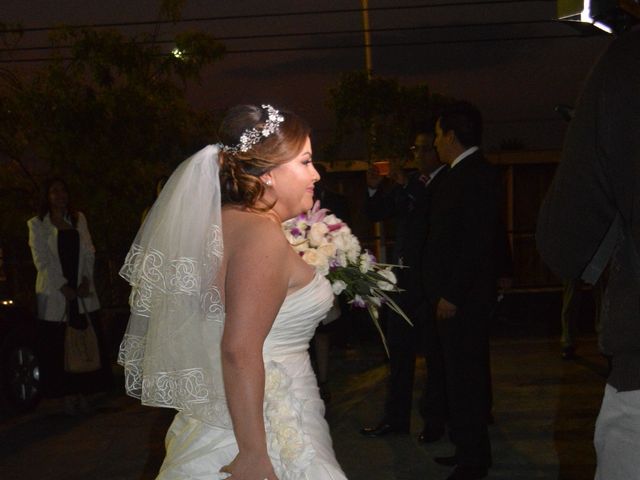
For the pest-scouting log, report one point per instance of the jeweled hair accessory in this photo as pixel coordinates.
(252, 136)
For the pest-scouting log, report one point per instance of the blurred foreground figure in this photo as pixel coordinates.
(591, 219)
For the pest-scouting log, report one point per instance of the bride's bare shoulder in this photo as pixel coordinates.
(245, 228)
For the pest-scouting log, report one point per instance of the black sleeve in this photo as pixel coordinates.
(382, 205)
(595, 175)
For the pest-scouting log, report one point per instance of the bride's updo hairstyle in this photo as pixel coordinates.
(240, 171)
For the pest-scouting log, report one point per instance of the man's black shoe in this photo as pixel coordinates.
(429, 435)
(468, 473)
(447, 461)
(381, 429)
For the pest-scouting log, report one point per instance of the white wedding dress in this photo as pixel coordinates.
(298, 436)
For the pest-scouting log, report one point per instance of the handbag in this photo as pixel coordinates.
(81, 351)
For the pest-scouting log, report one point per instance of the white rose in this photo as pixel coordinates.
(317, 233)
(328, 249)
(318, 260)
(338, 287)
(301, 246)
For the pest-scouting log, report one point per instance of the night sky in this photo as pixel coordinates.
(516, 83)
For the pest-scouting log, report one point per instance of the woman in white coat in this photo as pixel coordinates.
(63, 255)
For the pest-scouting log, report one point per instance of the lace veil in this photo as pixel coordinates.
(171, 349)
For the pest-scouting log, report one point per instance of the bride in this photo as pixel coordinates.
(222, 309)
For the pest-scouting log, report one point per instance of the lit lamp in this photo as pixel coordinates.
(608, 15)
(179, 54)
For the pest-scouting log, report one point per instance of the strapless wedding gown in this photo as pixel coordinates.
(298, 436)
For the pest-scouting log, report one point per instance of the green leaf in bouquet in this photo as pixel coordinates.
(373, 312)
(393, 305)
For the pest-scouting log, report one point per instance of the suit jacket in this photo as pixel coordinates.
(459, 261)
(409, 206)
(43, 240)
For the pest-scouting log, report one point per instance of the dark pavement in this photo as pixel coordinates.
(544, 408)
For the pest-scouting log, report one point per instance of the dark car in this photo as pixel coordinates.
(19, 366)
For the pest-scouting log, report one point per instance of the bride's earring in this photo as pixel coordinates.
(267, 182)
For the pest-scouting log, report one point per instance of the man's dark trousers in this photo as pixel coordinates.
(465, 349)
(404, 342)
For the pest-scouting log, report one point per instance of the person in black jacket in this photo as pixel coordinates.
(408, 202)
(591, 218)
(460, 276)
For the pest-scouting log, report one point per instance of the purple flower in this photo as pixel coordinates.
(317, 214)
(336, 226)
(358, 301)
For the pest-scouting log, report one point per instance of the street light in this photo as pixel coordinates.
(179, 54)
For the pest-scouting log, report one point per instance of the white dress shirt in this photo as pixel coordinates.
(464, 155)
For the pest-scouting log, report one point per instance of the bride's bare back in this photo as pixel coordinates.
(259, 269)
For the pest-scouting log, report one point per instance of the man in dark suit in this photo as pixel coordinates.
(459, 272)
(407, 202)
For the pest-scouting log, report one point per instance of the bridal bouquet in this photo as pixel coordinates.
(326, 243)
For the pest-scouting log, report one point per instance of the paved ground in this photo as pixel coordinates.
(545, 410)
